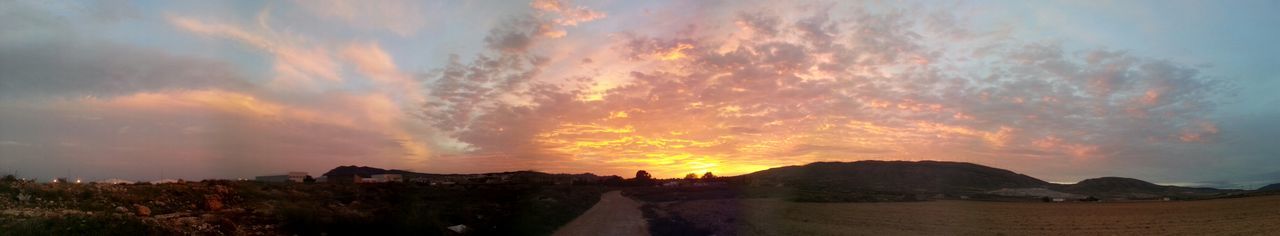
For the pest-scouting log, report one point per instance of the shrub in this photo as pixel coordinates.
(81, 225)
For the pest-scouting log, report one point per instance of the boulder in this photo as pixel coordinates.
(458, 228)
(212, 202)
(221, 190)
(143, 211)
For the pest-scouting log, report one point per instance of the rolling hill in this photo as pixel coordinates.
(1272, 187)
(958, 178)
(1129, 188)
(512, 176)
(896, 176)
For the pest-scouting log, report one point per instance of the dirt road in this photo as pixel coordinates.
(613, 215)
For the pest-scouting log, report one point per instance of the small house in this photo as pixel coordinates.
(388, 177)
(296, 177)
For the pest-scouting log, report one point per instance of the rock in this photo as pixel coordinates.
(221, 190)
(171, 215)
(143, 211)
(458, 228)
(212, 202)
(226, 226)
(121, 209)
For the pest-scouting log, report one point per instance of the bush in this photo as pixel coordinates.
(81, 225)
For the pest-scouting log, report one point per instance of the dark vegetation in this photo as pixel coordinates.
(252, 208)
(78, 225)
(407, 209)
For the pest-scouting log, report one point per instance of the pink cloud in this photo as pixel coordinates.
(401, 17)
(296, 64)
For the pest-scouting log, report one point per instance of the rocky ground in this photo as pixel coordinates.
(250, 208)
(186, 208)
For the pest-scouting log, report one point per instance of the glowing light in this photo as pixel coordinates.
(618, 115)
(676, 53)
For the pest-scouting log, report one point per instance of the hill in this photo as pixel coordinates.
(501, 177)
(1272, 187)
(365, 171)
(896, 176)
(1129, 188)
(930, 177)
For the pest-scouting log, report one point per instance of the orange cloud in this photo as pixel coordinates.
(1201, 132)
(675, 53)
(562, 14)
(373, 113)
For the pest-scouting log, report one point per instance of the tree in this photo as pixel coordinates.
(10, 178)
(613, 180)
(643, 175)
(308, 179)
(691, 176)
(708, 176)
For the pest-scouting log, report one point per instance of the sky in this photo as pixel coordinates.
(1175, 92)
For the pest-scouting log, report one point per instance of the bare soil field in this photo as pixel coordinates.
(769, 216)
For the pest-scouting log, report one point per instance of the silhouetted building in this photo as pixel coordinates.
(384, 178)
(296, 177)
(344, 179)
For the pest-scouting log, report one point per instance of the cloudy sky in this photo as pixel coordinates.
(1168, 91)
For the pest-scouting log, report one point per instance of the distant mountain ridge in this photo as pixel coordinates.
(1271, 187)
(897, 176)
(1120, 187)
(904, 177)
(365, 172)
(958, 178)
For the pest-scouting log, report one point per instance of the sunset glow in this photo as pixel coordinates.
(230, 89)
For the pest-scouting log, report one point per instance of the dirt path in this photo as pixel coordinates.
(613, 215)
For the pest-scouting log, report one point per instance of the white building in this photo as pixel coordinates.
(384, 178)
(116, 181)
(164, 181)
(296, 177)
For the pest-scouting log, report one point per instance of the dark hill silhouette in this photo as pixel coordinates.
(1120, 187)
(365, 171)
(511, 176)
(955, 178)
(1272, 187)
(896, 176)
(1109, 184)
